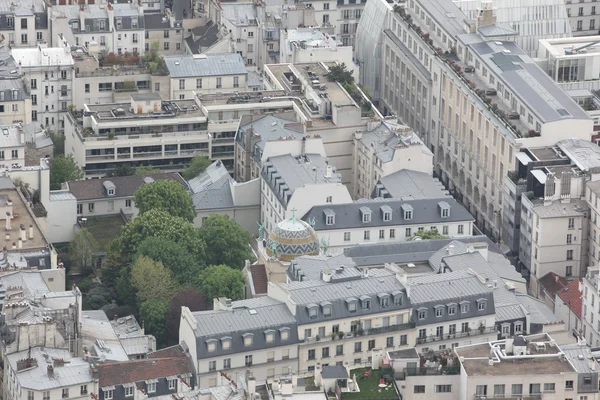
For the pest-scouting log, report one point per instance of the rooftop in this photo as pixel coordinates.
(33, 372)
(404, 354)
(270, 127)
(42, 57)
(259, 279)
(124, 186)
(127, 327)
(449, 286)
(112, 374)
(310, 267)
(99, 337)
(212, 188)
(309, 38)
(584, 153)
(553, 283)
(171, 109)
(387, 137)
(156, 21)
(239, 13)
(203, 37)
(10, 135)
(567, 47)
(571, 296)
(410, 185)
(201, 65)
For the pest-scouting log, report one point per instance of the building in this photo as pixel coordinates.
(206, 73)
(113, 28)
(550, 285)
(164, 30)
(384, 148)
(215, 192)
(436, 54)
(15, 101)
(372, 221)
(589, 314)
(259, 335)
(240, 19)
(569, 305)
(49, 372)
(12, 146)
(24, 25)
(290, 185)
(582, 18)
(409, 185)
(49, 76)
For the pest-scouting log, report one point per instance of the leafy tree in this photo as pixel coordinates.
(154, 313)
(430, 234)
(221, 281)
(146, 169)
(126, 293)
(152, 280)
(159, 224)
(63, 169)
(339, 73)
(82, 249)
(115, 261)
(97, 297)
(226, 242)
(154, 62)
(167, 195)
(58, 140)
(190, 298)
(198, 165)
(173, 256)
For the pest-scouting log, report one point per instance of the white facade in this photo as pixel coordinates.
(583, 17)
(590, 312)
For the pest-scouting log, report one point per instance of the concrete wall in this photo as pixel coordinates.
(61, 220)
(209, 85)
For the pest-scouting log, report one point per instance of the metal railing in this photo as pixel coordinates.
(360, 332)
(449, 336)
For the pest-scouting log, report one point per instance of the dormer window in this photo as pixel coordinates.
(211, 345)
(386, 213)
(439, 311)
(464, 307)
(326, 306)
(444, 209)
(248, 339)
(285, 333)
(313, 311)
(366, 302)
(329, 216)
(481, 303)
(269, 336)
(398, 298)
(384, 300)
(226, 343)
(109, 187)
(451, 309)
(365, 213)
(422, 313)
(407, 210)
(351, 304)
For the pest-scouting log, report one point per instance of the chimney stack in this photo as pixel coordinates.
(20, 243)
(23, 233)
(8, 221)
(14, 245)
(30, 232)
(50, 369)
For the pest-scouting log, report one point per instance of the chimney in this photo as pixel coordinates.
(30, 232)
(287, 390)
(329, 172)
(20, 243)
(23, 233)
(222, 303)
(50, 369)
(251, 386)
(14, 245)
(111, 17)
(82, 17)
(8, 221)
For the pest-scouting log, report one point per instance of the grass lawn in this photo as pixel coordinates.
(369, 387)
(104, 229)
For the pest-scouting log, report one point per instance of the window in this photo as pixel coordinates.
(569, 385)
(534, 389)
(481, 305)
(198, 83)
(250, 34)
(481, 390)
(392, 233)
(10, 21)
(408, 214)
(307, 333)
(128, 203)
(157, 86)
(419, 389)
(381, 234)
(327, 311)
(34, 116)
(248, 339)
(367, 235)
(219, 85)
(23, 23)
(439, 312)
(461, 229)
(366, 217)
(15, 107)
(87, 87)
(422, 314)
(236, 81)
(569, 238)
(250, 47)
(569, 254)
(403, 340)
(325, 352)
(385, 302)
(408, 232)
(182, 84)
(46, 395)
(91, 207)
(226, 363)
(248, 361)
(389, 341)
(549, 387)
(79, 209)
(311, 354)
(371, 344)
(108, 394)
(325, 18)
(14, 154)
(517, 389)
(569, 270)
(346, 236)
(313, 313)
(352, 306)
(443, 388)
(339, 350)
(366, 304)
(29, 395)
(329, 199)
(325, 6)
(358, 347)
(330, 219)
(65, 393)
(212, 365)
(34, 83)
(464, 308)
(451, 310)
(499, 391)
(129, 389)
(150, 387)
(464, 327)
(518, 327)
(571, 223)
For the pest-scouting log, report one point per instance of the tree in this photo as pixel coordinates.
(152, 280)
(430, 234)
(221, 281)
(190, 298)
(339, 73)
(121, 170)
(146, 169)
(226, 242)
(82, 249)
(173, 256)
(154, 313)
(159, 224)
(97, 297)
(126, 293)
(63, 169)
(167, 195)
(198, 165)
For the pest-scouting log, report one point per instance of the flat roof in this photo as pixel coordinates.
(559, 47)
(171, 109)
(42, 57)
(198, 65)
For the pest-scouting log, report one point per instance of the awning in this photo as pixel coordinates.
(539, 175)
(524, 158)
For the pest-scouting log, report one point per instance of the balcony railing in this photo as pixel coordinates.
(426, 372)
(450, 336)
(360, 332)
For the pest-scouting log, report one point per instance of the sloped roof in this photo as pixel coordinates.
(112, 374)
(211, 189)
(572, 296)
(125, 186)
(552, 283)
(260, 281)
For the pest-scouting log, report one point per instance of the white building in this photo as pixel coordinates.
(590, 314)
(583, 18)
(48, 73)
(240, 19)
(345, 225)
(24, 25)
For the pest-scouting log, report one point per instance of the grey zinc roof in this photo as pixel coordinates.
(211, 189)
(311, 267)
(449, 286)
(539, 312)
(347, 216)
(58, 195)
(582, 365)
(219, 64)
(387, 137)
(156, 21)
(584, 153)
(446, 14)
(408, 184)
(270, 127)
(404, 354)
(145, 96)
(496, 30)
(239, 14)
(211, 323)
(509, 312)
(334, 372)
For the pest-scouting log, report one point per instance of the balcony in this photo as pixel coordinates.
(507, 396)
(358, 333)
(450, 336)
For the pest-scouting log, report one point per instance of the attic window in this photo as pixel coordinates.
(313, 311)
(226, 343)
(211, 345)
(285, 333)
(248, 339)
(386, 212)
(109, 187)
(365, 214)
(269, 336)
(351, 304)
(444, 209)
(408, 211)
(329, 216)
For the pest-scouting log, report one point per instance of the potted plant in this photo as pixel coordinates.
(531, 132)
(340, 334)
(457, 68)
(317, 338)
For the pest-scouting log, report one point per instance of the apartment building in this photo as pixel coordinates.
(257, 335)
(590, 311)
(35, 373)
(113, 28)
(583, 19)
(48, 74)
(166, 32)
(384, 148)
(24, 25)
(206, 73)
(241, 20)
(451, 66)
(383, 221)
(15, 101)
(407, 184)
(291, 186)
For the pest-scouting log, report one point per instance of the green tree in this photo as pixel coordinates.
(221, 281)
(430, 234)
(198, 165)
(146, 169)
(63, 169)
(226, 242)
(58, 140)
(152, 280)
(97, 297)
(82, 249)
(153, 313)
(126, 293)
(167, 195)
(173, 256)
(159, 224)
(190, 298)
(339, 73)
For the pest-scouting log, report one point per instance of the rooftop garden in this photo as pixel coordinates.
(368, 381)
(151, 61)
(451, 58)
(340, 74)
